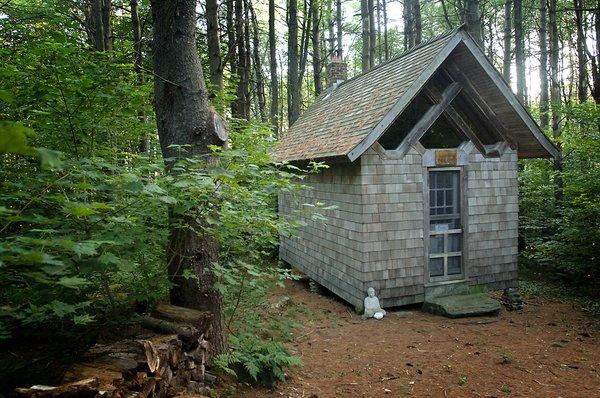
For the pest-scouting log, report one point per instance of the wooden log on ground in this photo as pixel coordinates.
(78, 389)
(199, 319)
(188, 334)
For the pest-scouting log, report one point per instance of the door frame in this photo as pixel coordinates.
(462, 180)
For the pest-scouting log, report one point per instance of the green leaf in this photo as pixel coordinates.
(85, 248)
(73, 282)
(78, 209)
(168, 199)
(49, 159)
(13, 138)
(153, 188)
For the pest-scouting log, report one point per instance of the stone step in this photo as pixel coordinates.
(464, 305)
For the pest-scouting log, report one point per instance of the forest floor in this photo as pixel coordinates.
(549, 349)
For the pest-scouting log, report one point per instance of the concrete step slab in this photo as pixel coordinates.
(464, 305)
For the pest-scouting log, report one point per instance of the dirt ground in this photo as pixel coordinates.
(549, 349)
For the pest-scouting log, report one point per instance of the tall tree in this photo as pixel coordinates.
(273, 68)
(365, 35)
(338, 22)
(543, 33)
(409, 26)
(183, 117)
(136, 28)
(372, 34)
(294, 98)
(507, 56)
(473, 20)
(582, 75)
(258, 72)
(241, 67)
(520, 51)
(596, 60)
(316, 46)
(416, 12)
(555, 99)
(213, 44)
(98, 26)
(386, 48)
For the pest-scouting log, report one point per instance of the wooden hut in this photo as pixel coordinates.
(423, 154)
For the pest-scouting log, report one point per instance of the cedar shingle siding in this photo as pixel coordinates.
(379, 234)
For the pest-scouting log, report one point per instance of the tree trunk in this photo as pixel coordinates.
(247, 63)
(520, 51)
(294, 98)
(386, 47)
(372, 34)
(316, 47)
(555, 99)
(409, 28)
(366, 40)
(309, 9)
(338, 19)
(473, 20)
(596, 59)
(213, 44)
(582, 76)
(106, 12)
(273, 68)
(507, 58)
(260, 84)
(239, 104)
(416, 18)
(544, 121)
(144, 145)
(379, 41)
(183, 117)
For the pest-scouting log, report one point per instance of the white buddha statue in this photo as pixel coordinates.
(372, 307)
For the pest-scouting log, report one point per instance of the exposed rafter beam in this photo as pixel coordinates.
(473, 96)
(429, 117)
(456, 120)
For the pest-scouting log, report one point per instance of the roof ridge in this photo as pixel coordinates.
(412, 49)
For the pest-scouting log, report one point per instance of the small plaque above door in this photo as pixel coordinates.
(446, 157)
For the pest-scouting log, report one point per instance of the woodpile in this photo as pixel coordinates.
(167, 359)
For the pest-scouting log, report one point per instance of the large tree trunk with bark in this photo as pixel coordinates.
(543, 33)
(520, 51)
(213, 44)
(97, 21)
(372, 34)
(183, 116)
(416, 17)
(241, 66)
(409, 27)
(338, 21)
(136, 28)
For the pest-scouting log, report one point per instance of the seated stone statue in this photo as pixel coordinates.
(372, 307)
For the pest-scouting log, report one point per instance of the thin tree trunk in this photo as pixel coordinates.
(239, 104)
(106, 28)
(260, 84)
(582, 76)
(409, 27)
(309, 9)
(294, 98)
(338, 19)
(596, 59)
(379, 43)
(416, 17)
(507, 56)
(316, 47)
(183, 117)
(273, 67)
(366, 40)
(372, 34)
(248, 63)
(386, 47)
(144, 145)
(520, 51)
(213, 44)
(543, 33)
(555, 98)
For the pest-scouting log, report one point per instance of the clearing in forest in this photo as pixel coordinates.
(549, 349)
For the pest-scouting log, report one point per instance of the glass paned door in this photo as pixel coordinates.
(445, 230)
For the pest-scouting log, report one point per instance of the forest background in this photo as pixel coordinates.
(86, 205)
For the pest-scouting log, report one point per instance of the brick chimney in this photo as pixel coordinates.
(337, 70)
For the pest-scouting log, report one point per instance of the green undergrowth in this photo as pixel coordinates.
(533, 282)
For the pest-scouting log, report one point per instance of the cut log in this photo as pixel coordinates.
(199, 319)
(187, 333)
(78, 389)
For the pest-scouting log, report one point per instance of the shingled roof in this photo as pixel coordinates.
(349, 117)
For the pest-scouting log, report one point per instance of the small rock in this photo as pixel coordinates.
(387, 391)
